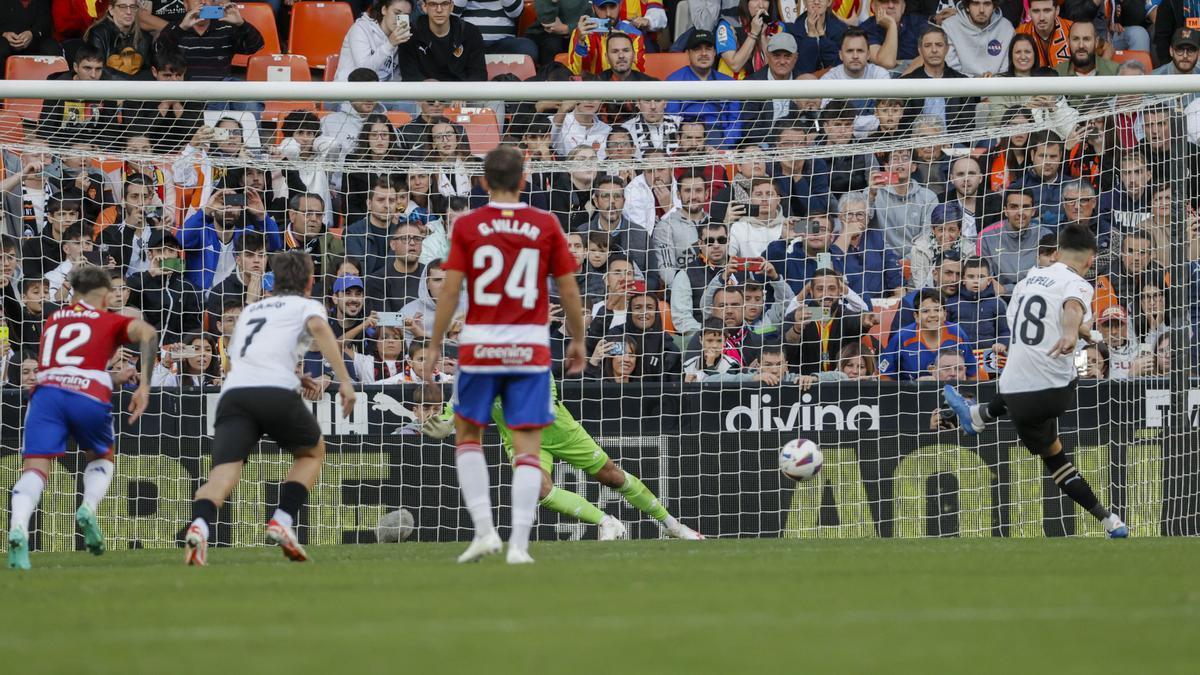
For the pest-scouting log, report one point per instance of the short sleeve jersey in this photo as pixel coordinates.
(506, 252)
(1035, 318)
(270, 338)
(77, 343)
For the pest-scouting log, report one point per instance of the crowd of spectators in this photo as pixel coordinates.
(850, 264)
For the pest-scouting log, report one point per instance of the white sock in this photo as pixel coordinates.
(203, 525)
(282, 517)
(25, 497)
(473, 482)
(97, 476)
(977, 417)
(527, 482)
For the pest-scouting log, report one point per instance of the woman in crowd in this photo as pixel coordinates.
(1007, 158)
(450, 151)
(742, 42)
(373, 40)
(1092, 152)
(1150, 314)
(1022, 62)
(621, 362)
(127, 49)
(659, 353)
(192, 365)
(856, 362)
(374, 152)
(818, 32)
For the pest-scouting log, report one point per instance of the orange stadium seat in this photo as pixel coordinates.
(663, 64)
(483, 133)
(518, 64)
(331, 66)
(30, 68)
(527, 19)
(1134, 55)
(259, 15)
(399, 118)
(562, 58)
(280, 68)
(318, 29)
(12, 128)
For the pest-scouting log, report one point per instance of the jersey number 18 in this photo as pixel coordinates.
(1031, 314)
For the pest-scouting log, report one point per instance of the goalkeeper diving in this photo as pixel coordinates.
(566, 439)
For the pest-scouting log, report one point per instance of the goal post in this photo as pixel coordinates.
(805, 245)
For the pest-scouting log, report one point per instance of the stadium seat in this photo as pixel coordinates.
(483, 133)
(30, 68)
(280, 68)
(1134, 55)
(331, 66)
(527, 19)
(663, 64)
(562, 58)
(399, 118)
(318, 29)
(12, 128)
(518, 64)
(259, 15)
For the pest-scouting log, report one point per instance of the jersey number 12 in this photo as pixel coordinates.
(522, 279)
(75, 336)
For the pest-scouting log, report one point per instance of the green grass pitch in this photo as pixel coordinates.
(766, 606)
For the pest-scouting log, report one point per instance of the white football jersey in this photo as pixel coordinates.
(1035, 321)
(269, 340)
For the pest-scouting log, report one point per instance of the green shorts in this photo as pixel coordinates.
(574, 446)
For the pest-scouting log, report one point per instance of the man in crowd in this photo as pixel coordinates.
(588, 46)
(65, 121)
(633, 241)
(687, 286)
(893, 33)
(1049, 31)
(652, 129)
(623, 56)
(208, 46)
(722, 119)
(957, 114)
(760, 117)
(396, 284)
(675, 236)
(979, 36)
(900, 206)
(367, 240)
(166, 299)
(497, 24)
(209, 237)
(305, 231)
(244, 282)
(443, 47)
(1011, 245)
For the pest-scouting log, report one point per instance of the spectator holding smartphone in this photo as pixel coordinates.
(588, 44)
(209, 35)
(827, 317)
(189, 364)
(754, 226)
(659, 354)
(374, 40)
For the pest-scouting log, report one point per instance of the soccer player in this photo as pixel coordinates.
(504, 252)
(566, 439)
(259, 396)
(73, 397)
(1049, 313)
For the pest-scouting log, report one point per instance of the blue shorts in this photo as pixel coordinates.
(54, 414)
(525, 398)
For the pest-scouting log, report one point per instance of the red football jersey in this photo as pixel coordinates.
(506, 252)
(77, 343)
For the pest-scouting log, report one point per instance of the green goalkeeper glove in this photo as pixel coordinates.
(437, 427)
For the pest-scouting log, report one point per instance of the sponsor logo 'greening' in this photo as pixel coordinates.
(511, 354)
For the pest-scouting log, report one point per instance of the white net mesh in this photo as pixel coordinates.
(800, 247)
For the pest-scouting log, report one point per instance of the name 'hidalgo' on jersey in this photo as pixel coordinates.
(77, 343)
(1035, 317)
(506, 252)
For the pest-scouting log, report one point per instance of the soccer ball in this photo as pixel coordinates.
(394, 526)
(800, 459)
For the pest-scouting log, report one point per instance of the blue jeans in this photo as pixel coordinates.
(513, 45)
(1133, 37)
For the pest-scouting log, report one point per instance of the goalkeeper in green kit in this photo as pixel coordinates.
(567, 440)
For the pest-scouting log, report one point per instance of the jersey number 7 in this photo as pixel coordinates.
(522, 282)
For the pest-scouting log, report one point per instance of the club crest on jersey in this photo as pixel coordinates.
(510, 226)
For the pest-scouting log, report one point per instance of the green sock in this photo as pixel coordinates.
(635, 492)
(570, 504)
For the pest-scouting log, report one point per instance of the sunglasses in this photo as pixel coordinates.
(717, 240)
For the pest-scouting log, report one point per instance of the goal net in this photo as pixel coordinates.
(753, 272)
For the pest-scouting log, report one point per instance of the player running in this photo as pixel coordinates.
(1049, 313)
(73, 397)
(504, 252)
(566, 439)
(260, 397)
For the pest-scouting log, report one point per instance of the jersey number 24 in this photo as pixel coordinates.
(522, 281)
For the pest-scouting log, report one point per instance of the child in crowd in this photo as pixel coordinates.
(712, 359)
(982, 315)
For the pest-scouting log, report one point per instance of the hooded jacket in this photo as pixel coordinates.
(1012, 253)
(425, 305)
(982, 316)
(367, 46)
(750, 237)
(675, 239)
(974, 50)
